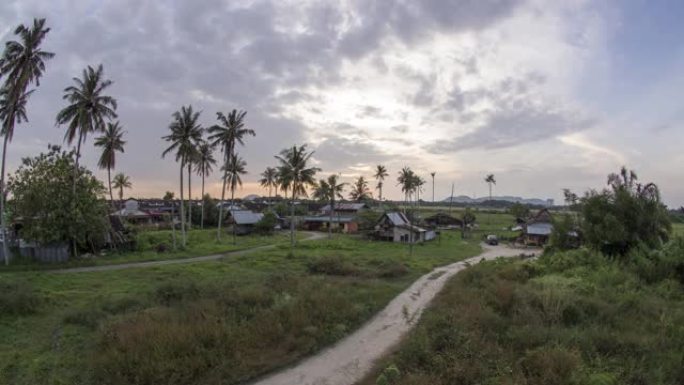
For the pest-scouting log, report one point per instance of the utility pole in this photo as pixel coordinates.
(451, 200)
(433, 186)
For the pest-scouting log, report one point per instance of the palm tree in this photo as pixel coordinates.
(121, 181)
(269, 180)
(204, 167)
(432, 174)
(111, 142)
(185, 132)
(490, 182)
(329, 190)
(380, 174)
(22, 63)
(230, 131)
(87, 110)
(234, 168)
(295, 175)
(407, 180)
(360, 190)
(193, 158)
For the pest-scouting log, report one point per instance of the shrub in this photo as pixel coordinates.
(392, 269)
(17, 299)
(173, 292)
(88, 318)
(162, 248)
(267, 224)
(331, 265)
(550, 366)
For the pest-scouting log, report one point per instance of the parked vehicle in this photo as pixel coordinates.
(492, 240)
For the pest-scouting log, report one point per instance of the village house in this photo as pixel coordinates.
(442, 220)
(396, 227)
(344, 218)
(132, 213)
(538, 228)
(244, 221)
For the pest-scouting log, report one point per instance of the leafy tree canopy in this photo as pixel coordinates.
(42, 197)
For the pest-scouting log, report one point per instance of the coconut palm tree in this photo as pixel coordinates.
(380, 174)
(185, 133)
(203, 167)
(407, 181)
(360, 190)
(328, 190)
(295, 176)
(234, 168)
(229, 132)
(193, 158)
(121, 182)
(489, 179)
(22, 64)
(269, 180)
(87, 110)
(111, 143)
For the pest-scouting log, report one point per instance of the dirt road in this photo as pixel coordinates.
(350, 359)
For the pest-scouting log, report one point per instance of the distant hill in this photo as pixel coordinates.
(505, 198)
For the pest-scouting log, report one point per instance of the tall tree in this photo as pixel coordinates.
(380, 174)
(269, 180)
(121, 182)
(203, 167)
(230, 131)
(407, 181)
(87, 110)
(111, 143)
(193, 158)
(329, 190)
(22, 64)
(432, 174)
(489, 179)
(185, 132)
(360, 190)
(234, 169)
(295, 176)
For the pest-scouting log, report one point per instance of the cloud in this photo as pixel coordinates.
(512, 127)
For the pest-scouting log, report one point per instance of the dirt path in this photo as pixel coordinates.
(350, 359)
(213, 257)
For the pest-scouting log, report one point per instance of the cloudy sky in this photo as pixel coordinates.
(544, 94)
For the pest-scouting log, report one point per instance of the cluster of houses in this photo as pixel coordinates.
(344, 217)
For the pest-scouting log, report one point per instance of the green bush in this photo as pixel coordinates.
(17, 299)
(331, 265)
(89, 318)
(267, 224)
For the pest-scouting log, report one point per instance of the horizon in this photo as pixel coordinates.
(544, 96)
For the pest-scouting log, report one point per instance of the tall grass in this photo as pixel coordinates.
(570, 318)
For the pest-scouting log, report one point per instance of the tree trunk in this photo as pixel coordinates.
(189, 222)
(182, 210)
(232, 197)
(109, 180)
(292, 224)
(73, 189)
(223, 197)
(3, 224)
(121, 198)
(202, 220)
(173, 225)
(332, 206)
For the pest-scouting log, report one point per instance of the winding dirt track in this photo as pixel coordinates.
(213, 257)
(349, 360)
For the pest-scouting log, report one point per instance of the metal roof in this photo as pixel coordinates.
(397, 218)
(324, 219)
(246, 217)
(539, 228)
(346, 206)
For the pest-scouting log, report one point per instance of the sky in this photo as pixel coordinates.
(544, 94)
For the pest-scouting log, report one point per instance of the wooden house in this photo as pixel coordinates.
(396, 227)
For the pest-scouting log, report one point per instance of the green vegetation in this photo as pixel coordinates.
(231, 320)
(569, 318)
(158, 245)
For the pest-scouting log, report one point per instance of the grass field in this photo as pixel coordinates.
(229, 320)
(199, 243)
(574, 318)
(678, 229)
